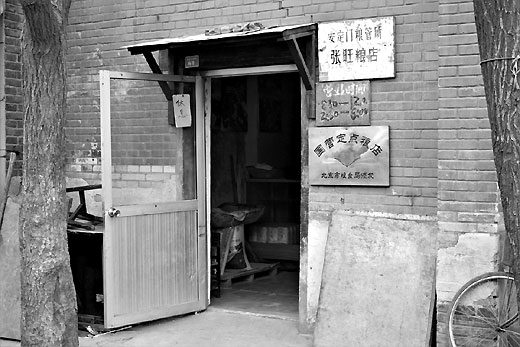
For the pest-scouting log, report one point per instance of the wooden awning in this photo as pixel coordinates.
(281, 44)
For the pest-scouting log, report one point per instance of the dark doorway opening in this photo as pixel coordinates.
(256, 165)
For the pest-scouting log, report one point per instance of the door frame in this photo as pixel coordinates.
(256, 70)
(198, 204)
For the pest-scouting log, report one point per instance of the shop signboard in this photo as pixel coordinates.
(343, 103)
(356, 49)
(349, 156)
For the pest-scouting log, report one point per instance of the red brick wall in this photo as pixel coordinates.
(13, 18)
(468, 198)
(441, 160)
(408, 103)
(467, 180)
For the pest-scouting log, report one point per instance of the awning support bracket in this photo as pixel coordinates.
(156, 69)
(299, 60)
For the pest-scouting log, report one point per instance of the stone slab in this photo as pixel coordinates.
(318, 229)
(377, 282)
(10, 309)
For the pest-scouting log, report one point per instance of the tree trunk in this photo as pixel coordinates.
(48, 297)
(498, 30)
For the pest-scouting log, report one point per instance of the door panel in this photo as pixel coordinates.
(157, 258)
(154, 245)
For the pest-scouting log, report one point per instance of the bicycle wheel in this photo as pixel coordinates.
(484, 312)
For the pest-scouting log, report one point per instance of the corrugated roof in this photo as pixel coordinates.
(202, 38)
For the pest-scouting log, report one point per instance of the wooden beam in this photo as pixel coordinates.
(287, 37)
(83, 188)
(172, 63)
(299, 32)
(117, 75)
(246, 71)
(311, 65)
(300, 62)
(157, 70)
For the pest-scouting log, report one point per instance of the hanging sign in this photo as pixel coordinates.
(353, 156)
(182, 110)
(356, 49)
(343, 103)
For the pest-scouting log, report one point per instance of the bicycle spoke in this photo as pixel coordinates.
(512, 338)
(516, 341)
(509, 342)
(484, 313)
(503, 342)
(492, 323)
(513, 304)
(513, 332)
(488, 338)
(475, 340)
(509, 286)
(501, 295)
(509, 294)
(515, 336)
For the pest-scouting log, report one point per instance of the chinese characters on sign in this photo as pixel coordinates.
(356, 49)
(182, 110)
(349, 156)
(343, 103)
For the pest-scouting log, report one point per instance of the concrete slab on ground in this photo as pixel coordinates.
(212, 328)
(377, 286)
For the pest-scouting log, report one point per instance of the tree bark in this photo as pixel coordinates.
(49, 316)
(498, 30)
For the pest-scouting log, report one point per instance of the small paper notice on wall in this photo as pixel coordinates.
(182, 110)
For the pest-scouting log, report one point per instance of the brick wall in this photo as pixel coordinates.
(468, 200)
(13, 20)
(441, 158)
(408, 103)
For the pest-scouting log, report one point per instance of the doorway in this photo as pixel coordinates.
(255, 166)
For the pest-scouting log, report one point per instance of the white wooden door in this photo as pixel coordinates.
(155, 248)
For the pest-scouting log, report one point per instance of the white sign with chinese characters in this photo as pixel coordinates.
(349, 156)
(356, 49)
(182, 110)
